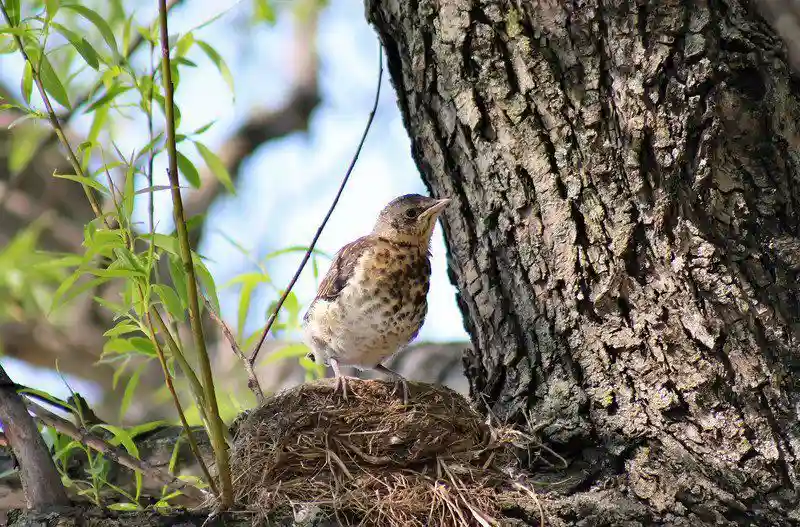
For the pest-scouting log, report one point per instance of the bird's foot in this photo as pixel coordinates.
(341, 384)
(399, 380)
(397, 384)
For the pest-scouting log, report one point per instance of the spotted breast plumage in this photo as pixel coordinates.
(373, 300)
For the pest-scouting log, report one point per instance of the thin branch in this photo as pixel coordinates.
(41, 482)
(252, 382)
(215, 425)
(313, 243)
(115, 454)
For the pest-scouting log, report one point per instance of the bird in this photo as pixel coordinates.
(372, 302)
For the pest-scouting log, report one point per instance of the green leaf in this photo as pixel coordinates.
(143, 428)
(122, 437)
(162, 241)
(51, 83)
(13, 11)
(286, 352)
(130, 390)
(143, 346)
(171, 301)
(110, 94)
(118, 371)
(99, 22)
(121, 328)
(27, 82)
(207, 281)
(292, 306)
(188, 170)
(219, 62)
(126, 506)
(52, 8)
(263, 11)
(89, 182)
(249, 282)
(216, 166)
(80, 44)
(66, 292)
(178, 276)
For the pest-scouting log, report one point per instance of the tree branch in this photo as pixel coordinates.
(113, 453)
(41, 482)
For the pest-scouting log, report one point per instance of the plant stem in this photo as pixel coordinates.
(215, 424)
(171, 387)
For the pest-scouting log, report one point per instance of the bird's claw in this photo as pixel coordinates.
(341, 383)
(401, 382)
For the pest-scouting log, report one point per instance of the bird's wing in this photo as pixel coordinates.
(342, 268)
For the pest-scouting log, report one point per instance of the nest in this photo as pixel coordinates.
(371, 460)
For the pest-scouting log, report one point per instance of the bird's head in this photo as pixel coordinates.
(410, 218)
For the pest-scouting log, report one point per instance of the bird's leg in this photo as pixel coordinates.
(341, 380)
(398, 379)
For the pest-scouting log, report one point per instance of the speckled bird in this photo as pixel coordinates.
(373, 300)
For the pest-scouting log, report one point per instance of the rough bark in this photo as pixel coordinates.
(624, 239)
(41, 483)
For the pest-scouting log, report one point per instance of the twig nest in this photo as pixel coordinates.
(371, 459)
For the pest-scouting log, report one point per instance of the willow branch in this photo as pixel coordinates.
(214, 422)
(40, 480)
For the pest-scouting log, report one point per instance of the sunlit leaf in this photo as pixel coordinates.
(178, 275)
(80, 44)
(99, 22)
(27, 82)
(12, 6)
(216, 166)
(115, 90)
(184, 44)
(286, 352)
(126, 506)
(89, 182)
(249, 282)
(52, 7)
(130, 390)
(122, 437)
(51, 82)
(263, 11)
(65, 294)
(188, 170)
(121, 328)
(162, 241)
(219, 62)
(205, 278)
(170, 300)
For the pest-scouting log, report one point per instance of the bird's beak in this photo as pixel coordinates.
(434, 209)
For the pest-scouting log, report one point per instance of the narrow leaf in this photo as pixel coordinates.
(98, 21)
(216, 166)
(27, 82)
(130, 390)
(219, 62)
(89, 182)
(51, 83)
(170, 300)
(188, 170)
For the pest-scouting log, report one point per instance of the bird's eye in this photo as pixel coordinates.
(411, 213)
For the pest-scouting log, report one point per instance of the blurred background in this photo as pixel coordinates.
(288, 86)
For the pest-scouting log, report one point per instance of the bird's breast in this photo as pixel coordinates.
(381, 308)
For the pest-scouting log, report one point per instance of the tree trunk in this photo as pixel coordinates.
(624, 239)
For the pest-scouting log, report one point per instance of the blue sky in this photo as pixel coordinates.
(286, 188)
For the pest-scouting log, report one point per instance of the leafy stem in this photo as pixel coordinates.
(215, 424)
